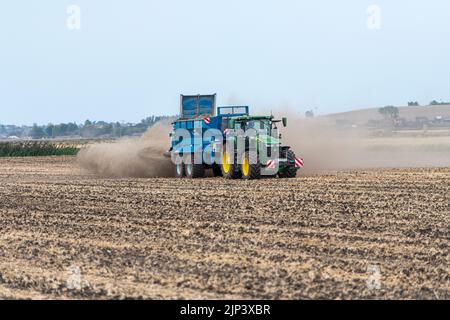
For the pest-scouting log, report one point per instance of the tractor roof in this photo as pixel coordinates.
(253, 118)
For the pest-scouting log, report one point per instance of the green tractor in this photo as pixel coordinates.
(263, 154)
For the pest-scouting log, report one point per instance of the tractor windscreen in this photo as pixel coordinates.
(262, 126)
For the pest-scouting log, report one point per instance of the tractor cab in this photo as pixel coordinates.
(263, 125)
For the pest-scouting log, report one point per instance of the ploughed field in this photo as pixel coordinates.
(65, 233)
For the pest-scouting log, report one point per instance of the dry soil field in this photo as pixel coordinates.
(65, 233)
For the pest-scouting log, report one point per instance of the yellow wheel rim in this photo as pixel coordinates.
(226, 162)
(245, 166)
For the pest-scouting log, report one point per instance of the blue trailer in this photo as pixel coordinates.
(199, 135)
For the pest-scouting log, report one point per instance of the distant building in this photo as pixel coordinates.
(441, 120)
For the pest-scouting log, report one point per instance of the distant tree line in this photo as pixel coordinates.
(436, 103)
(432, 103)
(89, 129)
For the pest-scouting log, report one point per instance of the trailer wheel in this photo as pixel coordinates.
(180, 170)
(290, 171)
(250, 167)
(230, 170)
(194, 171)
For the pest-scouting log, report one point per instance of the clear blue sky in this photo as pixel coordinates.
(133, 58)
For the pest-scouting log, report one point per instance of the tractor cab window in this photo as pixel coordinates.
(259, 125)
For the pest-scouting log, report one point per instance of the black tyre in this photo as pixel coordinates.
(180, 170)
(230, 169)
(290, 171)
(217, 170)
(194, 171)
(250, 167)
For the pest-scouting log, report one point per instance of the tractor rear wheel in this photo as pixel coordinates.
(250, 167)
(217, 170)
(290, 171)
(230, 169)
(194, 171)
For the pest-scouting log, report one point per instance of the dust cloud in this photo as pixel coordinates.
(130, 157)
(326, 148)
